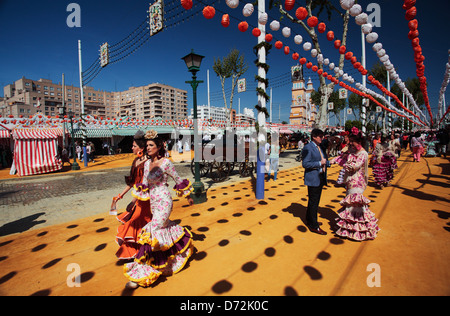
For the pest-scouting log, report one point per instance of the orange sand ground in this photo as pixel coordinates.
(255, 247)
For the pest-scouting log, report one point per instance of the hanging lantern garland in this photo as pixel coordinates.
(413, 35)
(301, 14)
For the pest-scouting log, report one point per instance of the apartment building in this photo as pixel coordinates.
(153, 100)
(27, 97)
(205, 112)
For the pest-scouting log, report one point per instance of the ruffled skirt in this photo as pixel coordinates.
(163, 251)
(127, 234)
(355, 220)
(384, 172)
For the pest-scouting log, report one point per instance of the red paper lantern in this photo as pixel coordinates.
(337, 44)
(187, 4)
(301, 13)
(289, 4)
(330, 36)
(286, 50)
(269, 38)
(309, 65)
(256, 32)
(295, 56)
(322, 27)
(357, 65)
(209, 12)
(225, 20)
(408, 4)
(413, 34)
(413, 24)
(342, 49)
(243, 26)
(302, 60)
(348, 55)
(319, 71)
(312, 21)
(411, 13)
(353, 60)
(278, 44)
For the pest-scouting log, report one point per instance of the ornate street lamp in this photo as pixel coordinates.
(193, 62)
(75, 165)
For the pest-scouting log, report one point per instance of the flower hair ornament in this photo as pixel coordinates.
(355, 130)
(151, 134)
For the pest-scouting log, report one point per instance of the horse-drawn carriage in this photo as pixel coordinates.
(219, 166)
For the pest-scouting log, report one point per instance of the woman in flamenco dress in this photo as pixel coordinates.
(355, 220)
(138, 213)
(165, 247)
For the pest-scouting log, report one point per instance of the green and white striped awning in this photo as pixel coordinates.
(94, 133)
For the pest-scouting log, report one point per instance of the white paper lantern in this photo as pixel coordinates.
(381, 53)
(275, 25)
(331, 66)
(233, 4)
(248, 9)
(347, 4)
(366, 28)
(263, 18)
(361, 19)
(313, 53)
(376, 47)
(307, 46)
(298, 39)
(384, 58)
(371, 37)
(326, 61)
(320, 59)
(355, 10)
(286, 31)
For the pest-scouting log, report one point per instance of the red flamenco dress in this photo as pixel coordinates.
(133, 219)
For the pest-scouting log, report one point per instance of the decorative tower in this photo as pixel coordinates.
(302, 111)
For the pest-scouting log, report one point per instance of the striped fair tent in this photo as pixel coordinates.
(36, 151)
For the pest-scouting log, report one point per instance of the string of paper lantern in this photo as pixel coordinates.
(413, 35)
(312, 22)
(444, 85)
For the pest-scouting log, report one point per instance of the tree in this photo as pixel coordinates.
(319, 6)
(233, 65)
(338, 104)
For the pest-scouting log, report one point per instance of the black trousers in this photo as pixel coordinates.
(314, 194)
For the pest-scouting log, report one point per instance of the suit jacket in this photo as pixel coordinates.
(311, 162)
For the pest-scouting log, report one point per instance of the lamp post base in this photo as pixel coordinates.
(75, 166)
(199, 194)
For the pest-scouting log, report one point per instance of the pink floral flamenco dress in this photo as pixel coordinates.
(355, 220)
(165, 246)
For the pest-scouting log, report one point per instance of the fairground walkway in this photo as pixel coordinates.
(255, 247)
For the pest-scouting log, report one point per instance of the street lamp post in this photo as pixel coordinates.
(75, 165)
(193, 62)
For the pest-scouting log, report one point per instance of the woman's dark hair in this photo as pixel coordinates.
(159, 142)
(140, 140)
(358, 138)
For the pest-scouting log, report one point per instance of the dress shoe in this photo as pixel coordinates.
(317, 231)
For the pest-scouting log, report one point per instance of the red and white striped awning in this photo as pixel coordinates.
(4, 133)
(31, 133)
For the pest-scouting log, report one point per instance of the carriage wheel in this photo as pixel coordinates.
(246, 168)
(219, 171)
(203, 166)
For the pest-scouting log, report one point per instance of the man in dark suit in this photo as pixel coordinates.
(315, 162)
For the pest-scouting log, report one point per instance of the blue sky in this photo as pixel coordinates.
(37, 43)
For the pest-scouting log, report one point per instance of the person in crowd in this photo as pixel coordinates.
(417, 146)
(315, 162)
(431, 145)
(274, 157)
(443, 139)
(138, 213)
(384, 162)
(165, 246)
(356, 221)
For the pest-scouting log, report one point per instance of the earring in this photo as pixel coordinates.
(140, 154)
